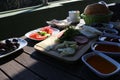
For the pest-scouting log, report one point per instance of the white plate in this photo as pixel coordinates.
(55, 31)
(22, 43)
(59, 23)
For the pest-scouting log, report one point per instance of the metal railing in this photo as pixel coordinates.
(16, 4)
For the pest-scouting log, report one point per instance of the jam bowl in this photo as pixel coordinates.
(102, 25)
(109, 48)
(101, 64)
(109, 38)
(110, 31)
(105, 27)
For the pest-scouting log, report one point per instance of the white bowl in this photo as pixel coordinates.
(97, 72)
(108, 48)
(110, 31)
(109, 38)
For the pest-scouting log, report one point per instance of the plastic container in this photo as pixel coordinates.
(101, 64)
(109, 48)
(109, 38)
(103, 25)
(110, 31)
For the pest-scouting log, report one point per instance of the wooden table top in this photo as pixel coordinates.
(29, 64)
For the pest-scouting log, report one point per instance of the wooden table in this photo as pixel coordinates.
(29, 64)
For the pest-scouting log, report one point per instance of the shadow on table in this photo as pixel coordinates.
(77, 68)
(10, 57)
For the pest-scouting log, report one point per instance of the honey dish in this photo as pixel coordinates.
(101, 64)
(103, 26)
(109, 48)
(110, 38)
(110, 31)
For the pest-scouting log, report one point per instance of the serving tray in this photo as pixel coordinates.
(50, 42)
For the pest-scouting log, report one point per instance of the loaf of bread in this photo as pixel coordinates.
(96, 9)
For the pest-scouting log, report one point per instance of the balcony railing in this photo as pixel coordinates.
(6, 5)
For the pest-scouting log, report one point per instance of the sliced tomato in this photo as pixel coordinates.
(47, 29)
(37, 36)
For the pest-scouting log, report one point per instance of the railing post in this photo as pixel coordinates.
(45, 2)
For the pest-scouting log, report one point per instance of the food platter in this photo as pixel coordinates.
(51, 42)
(54, 31)
(22, 43)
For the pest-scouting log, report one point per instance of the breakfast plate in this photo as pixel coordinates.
(11, 45)
(41, 33)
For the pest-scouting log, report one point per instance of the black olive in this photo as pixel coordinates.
(8, 46)
(15, 40)
(17, 44)
(7, 41)
(2, 45)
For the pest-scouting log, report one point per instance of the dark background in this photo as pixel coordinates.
(15, 4)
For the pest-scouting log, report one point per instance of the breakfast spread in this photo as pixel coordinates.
(73, 40)
(63, 40)
(70, 43)
(61, 49)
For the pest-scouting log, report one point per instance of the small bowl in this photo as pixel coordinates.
(109, 48)
(102, 25)
(59, 23)
(90, 19)
(105, 65)
(105, 27)
(110, 31)
(109, 38)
